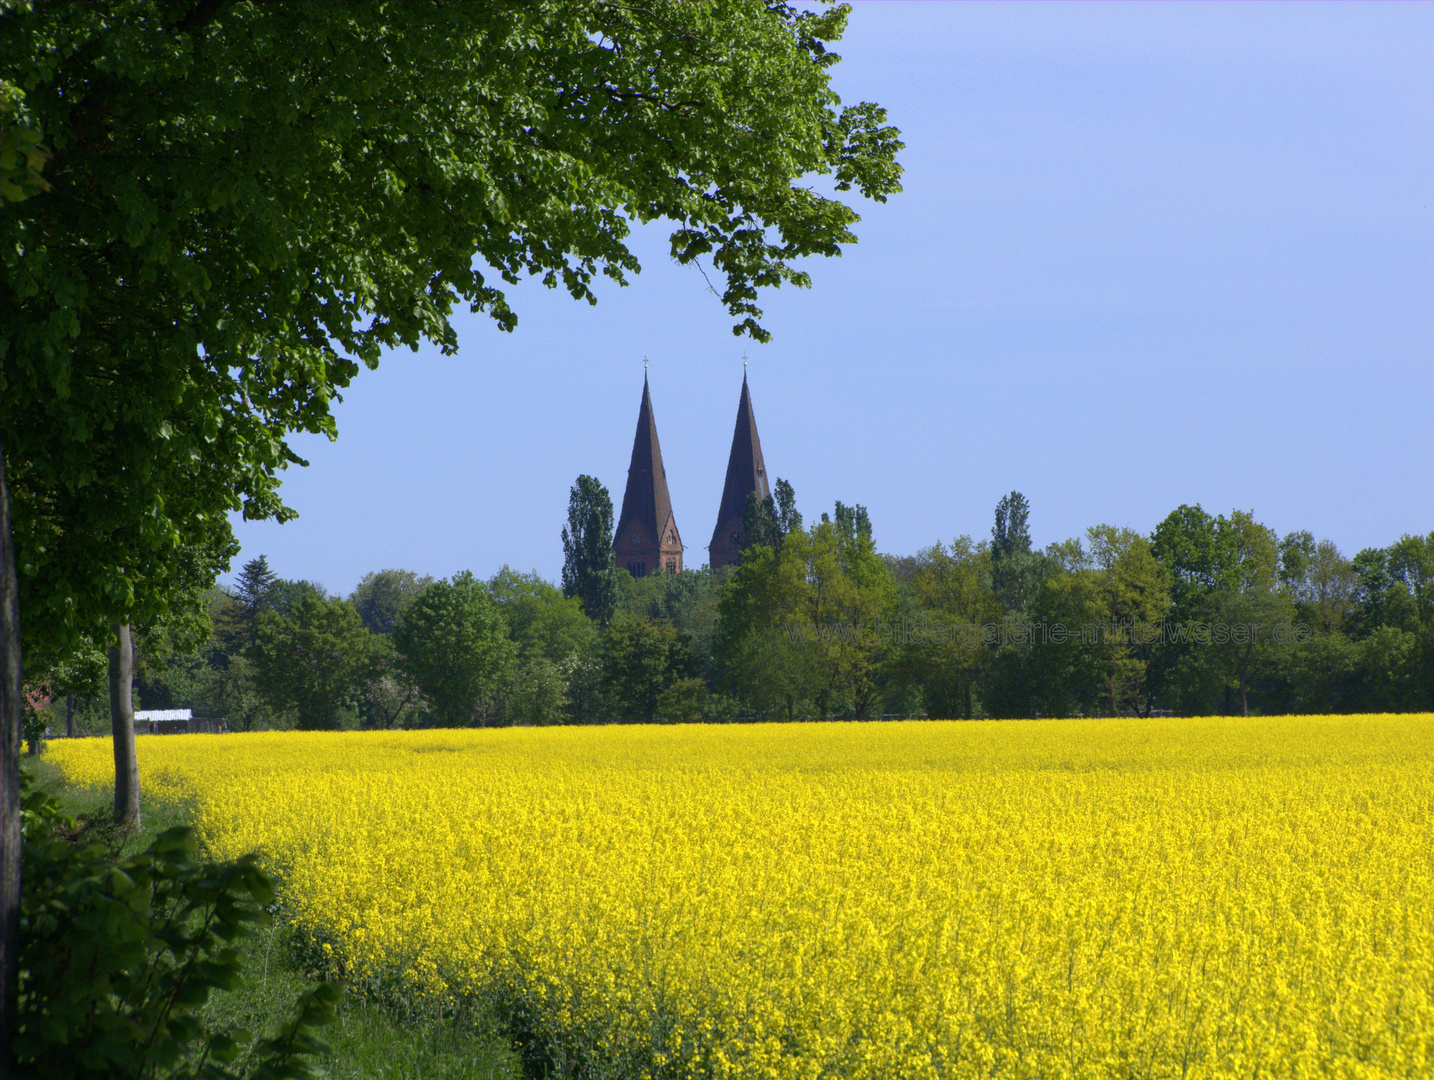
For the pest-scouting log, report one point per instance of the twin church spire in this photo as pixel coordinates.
(647, 539)
(746, 472)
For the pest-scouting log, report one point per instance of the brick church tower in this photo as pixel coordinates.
(646, 540)
(746, 472)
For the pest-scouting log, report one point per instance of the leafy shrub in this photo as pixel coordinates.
(118, 956)
(683, 702)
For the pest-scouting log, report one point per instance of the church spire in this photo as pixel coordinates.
(646, 539)
(746, 472)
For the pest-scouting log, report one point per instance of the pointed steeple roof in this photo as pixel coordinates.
(646, 506)
(746, 472)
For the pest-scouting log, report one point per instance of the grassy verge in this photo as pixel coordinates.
(368, 1041)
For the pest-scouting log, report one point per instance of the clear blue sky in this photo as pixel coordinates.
(1146, 255)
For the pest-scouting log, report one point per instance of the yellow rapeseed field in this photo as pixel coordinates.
(1098, 898)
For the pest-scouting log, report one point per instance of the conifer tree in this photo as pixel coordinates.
(254, 584)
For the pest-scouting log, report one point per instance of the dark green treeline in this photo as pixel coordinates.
(1204, 614)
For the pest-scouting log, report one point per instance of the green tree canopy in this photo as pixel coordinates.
(249, 200)
(825, 590)
(642, 659)
(1223, 576)
(453, 643)
(1319, 580)
(952, 586)
(767, 521)
(541, 621)
(22, 158)
(1198, 551)
(313, 659)
(383, 595)
(1110, 606)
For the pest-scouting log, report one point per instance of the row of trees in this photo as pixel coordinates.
(400, 651)
(1205, 614)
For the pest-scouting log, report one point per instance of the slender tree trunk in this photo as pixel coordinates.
(11, 677)
(388, 722)
(69, 716)
(122, 726)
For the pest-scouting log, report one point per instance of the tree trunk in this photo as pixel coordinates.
(122, 726)
(69, 716)
(11, 678)
(391, 717)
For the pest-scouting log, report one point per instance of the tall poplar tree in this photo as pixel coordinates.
(589, 565)
(1011, 568)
